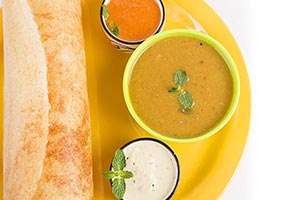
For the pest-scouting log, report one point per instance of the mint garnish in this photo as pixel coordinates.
(184, 97)
(118, 175)
(105, 12)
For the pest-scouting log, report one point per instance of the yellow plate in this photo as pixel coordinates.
(206, 166)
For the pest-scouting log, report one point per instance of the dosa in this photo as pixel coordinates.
(47, 135)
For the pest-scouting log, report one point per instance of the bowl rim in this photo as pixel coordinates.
(137, 42)
(202, 37)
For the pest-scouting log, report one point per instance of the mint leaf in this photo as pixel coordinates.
(184, 98)
(118, 175)
(174, 89)
(105, 12)
(115, 31)
(186, 101)
(109, 174)
(119, 161)
(181, 78)
(118, 187)
(125, 174)
(113, 28)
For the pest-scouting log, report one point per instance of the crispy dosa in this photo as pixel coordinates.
(47, 137)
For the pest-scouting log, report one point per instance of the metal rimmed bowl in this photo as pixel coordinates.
(155, 168)
(126, 45)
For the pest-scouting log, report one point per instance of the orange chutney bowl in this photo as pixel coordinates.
(128, 23)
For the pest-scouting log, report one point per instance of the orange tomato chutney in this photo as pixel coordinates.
(136, 19)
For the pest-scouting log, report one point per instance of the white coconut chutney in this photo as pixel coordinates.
(155, 169)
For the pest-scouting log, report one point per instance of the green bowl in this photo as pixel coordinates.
(187, 33)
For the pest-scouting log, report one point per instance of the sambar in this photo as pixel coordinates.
(213, 85)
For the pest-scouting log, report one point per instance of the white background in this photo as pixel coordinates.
(268, 34)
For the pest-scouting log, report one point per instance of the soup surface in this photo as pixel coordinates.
(210, 84)
(136, 19)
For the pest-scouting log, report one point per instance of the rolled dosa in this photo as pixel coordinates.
(47, 137)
